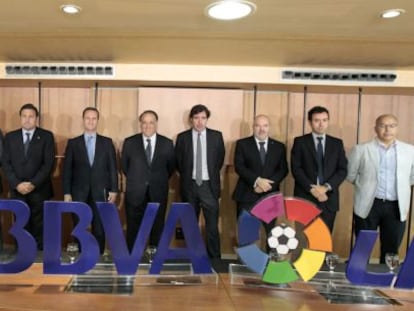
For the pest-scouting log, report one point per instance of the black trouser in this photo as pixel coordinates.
(134, 215)
(328, 218)
(35, 223)
(385, 215)
(201, 197)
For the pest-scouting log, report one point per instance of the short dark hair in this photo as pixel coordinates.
(316, 109)
(90, 109)
(29, 106)
(148, 112)
(199, 108)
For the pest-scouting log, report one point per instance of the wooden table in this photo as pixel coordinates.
(31, 290)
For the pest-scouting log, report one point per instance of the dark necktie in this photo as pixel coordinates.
(199, 167)
(262, 152)
(319, 152)
(26, 144)
(148, 151)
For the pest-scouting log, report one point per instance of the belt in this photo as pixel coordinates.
(386, 201)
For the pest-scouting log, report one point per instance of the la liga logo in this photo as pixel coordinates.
(283, 239)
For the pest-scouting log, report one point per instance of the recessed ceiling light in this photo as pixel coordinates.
(70, 8)
(230, 9)
(392, 13)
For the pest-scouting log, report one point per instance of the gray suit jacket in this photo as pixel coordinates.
(363, 167)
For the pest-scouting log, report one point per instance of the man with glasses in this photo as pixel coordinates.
(382, 171)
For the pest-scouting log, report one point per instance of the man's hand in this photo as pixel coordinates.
(319, 192)
(25, 187)
(67, 198)
(258, 189)
(264, 183)
(112, 197)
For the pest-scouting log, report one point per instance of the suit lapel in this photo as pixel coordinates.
(141, 149)
(256, 153)
(311, 147)
(373, 153)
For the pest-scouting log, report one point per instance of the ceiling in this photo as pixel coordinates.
(333, 33)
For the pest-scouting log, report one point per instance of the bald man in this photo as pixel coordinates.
(260, 162)
(382, 171)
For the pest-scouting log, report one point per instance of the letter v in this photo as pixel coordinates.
(125, 263)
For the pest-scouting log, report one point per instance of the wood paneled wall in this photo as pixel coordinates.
(352, 117)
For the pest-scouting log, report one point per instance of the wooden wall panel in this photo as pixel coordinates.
(119, 113)
(11, 99)
(61, 111)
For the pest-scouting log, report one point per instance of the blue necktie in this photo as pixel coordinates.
(90, 149)
(262, 152)
(319, 152)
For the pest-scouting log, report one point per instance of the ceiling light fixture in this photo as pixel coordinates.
(70, 9)
(392, 13)
(230, 9)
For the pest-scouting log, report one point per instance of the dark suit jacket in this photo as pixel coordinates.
(305, 168)
(36, 167)
(79, 178)
(248, 166)
(185, 160)
(1, 154)
(141, 176)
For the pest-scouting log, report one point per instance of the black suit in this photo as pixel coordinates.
(249, 167)
(36, 167)
(1, 190)
(90, 184)
(305, 170)
(146, 183)
(208, 193)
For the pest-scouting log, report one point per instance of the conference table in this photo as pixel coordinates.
(33, 290)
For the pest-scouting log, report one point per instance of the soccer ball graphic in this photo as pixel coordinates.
(283, 239)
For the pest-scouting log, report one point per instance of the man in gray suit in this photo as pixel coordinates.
(382, 171)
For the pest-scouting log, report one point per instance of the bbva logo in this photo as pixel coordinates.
(126, 263)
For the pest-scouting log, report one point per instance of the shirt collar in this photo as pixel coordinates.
(86, 135)
(315, 136)
(28, 131)
(258, 141)
(382, 145)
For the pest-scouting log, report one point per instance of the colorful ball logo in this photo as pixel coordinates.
(310, 259)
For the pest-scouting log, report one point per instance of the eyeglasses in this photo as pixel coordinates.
(385, 126)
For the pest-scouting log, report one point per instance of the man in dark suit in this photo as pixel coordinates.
(90, 172)
(28, 159)
(148, 161)
(260, 162)
(319, 165)
(200, 156)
